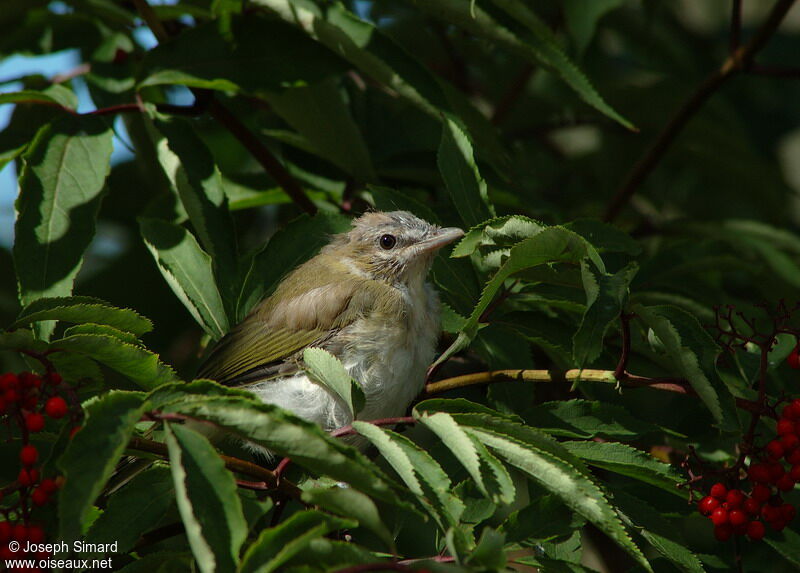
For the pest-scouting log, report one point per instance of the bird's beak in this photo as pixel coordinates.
(440, 239)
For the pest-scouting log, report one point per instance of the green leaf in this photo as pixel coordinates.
(207, 500)
(325, 368)
(573, 486)
(92, 454)
(786, 544)
(489, 553)
(605, 237)
(136, 509)
(495, 475)
(582, 17)
(420, 472)
(321, 555)
(387, 199)
(459, 442)
(544, 519)
(375, 54)
(160, 562)
(277, 545)
(554, 244)
(606, 297)
(191, 169)
(21, 339)
(201, 57)
(297, 242)
(589, 419)
(61, 186)
(80, 309)
(320, 113)
(102, 329)
(461, 177)
(498, 232)
(659, 532)
(628, 461)
(55, 94)
(692, 352)
(350, 503)
(287, 435)
(539, 47)
(188, 271)
(137, 363)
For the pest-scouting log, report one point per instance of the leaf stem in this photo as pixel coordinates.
(676, 385)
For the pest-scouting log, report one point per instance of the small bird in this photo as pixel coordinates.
(364, 299)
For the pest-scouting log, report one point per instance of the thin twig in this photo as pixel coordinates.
(737, 61)
(234, 464)
(625, 327)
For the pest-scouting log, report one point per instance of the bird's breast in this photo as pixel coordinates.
(389, 352)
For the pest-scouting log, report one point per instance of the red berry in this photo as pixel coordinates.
(34, 422)
(785, 427)
(8, 381)
(719, 516)
(794, 457)
(776, 471)
(788, 512)
(31, 402)
(10, 396)
(777, 524)
(707, 505)
(719, 491)
(735, 498)
(28, 455)
(775, 450)
(5, 531)
(39, 496)
(29, 380)
(755, 530)
(791, 411)
(758, 473)
(770, 513)
(793, 360)
(27, 477)
(751, 506)
(53, 378)
(737, 517)
(35, 534)
(761, 493)
(785, 483)
(789, 442)
(48, 485)
(20, 532)
(56, 407)
(723, 532)
(794, 473)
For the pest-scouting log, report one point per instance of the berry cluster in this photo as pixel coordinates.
(26, 400)
(733, 512)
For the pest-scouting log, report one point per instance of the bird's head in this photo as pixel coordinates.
(393, 246)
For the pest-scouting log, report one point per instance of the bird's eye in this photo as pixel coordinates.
(387, 241)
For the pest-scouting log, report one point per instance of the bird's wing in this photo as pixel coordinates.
(258, 347)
